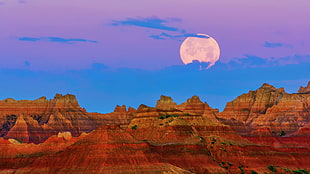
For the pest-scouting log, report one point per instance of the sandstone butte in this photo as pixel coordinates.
(263, 131)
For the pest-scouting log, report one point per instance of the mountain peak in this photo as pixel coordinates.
(120, 108)
(304, 89)
(194, 99)
(166, 103)
(267, 86)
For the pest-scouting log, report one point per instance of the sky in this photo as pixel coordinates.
(119, 52)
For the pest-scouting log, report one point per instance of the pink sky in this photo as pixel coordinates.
(241, 27)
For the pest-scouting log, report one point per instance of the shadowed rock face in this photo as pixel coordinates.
(35, 121)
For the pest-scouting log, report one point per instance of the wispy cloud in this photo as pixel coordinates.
(55, 39)
(165, 36)
(252, 61)
(63, 40)
(158, 24)
(151, 22)
(27, 63)
(276, 45)
(31, 39)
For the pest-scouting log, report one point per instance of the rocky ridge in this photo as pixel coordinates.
(268, 111)
(261, 128)
(35, 121)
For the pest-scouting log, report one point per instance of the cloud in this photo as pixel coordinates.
(55, 39)
(30, 39)
(276, 45)
(27, 63)
(252, 61)
(63, 40)
(151, 22)
(165, 36)
(158, 24)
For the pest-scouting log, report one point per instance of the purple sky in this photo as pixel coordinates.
(61, 36)
(241, 27)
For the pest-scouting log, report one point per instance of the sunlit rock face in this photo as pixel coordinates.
(190, 137)
(304, 89)
(268, 111)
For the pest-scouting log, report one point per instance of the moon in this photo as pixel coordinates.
(202, 48)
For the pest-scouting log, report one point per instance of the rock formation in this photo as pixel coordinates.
(267, 109)
(265, 127)
(35, 121)
(165, 103)
(184, 123)
(304, 89)
(120, 116)
(109, 149)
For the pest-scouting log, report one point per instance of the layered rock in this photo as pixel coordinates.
(267, 111)
(109, 149)
(120, 116)
(186, 123)
(35, 121)
(165, 103)
(185, 138)
(288, 116)
(304, 89)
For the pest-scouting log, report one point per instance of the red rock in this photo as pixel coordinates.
(184, 139)
(304, 89)
(120, 116)
(34, 121)
(289, 115)
(106, 150)
(267, 107)
(165, 103)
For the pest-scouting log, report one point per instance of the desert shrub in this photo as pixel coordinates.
(223, 143)
(282, 133)
(20, 156)
(253, 172)
(241, 169)
(272, 168)
(134, 127)
(300, 171)
(162, 117)
(287, 170)
(20, 141)
(229, 163)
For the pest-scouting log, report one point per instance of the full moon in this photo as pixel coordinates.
(202, 48)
